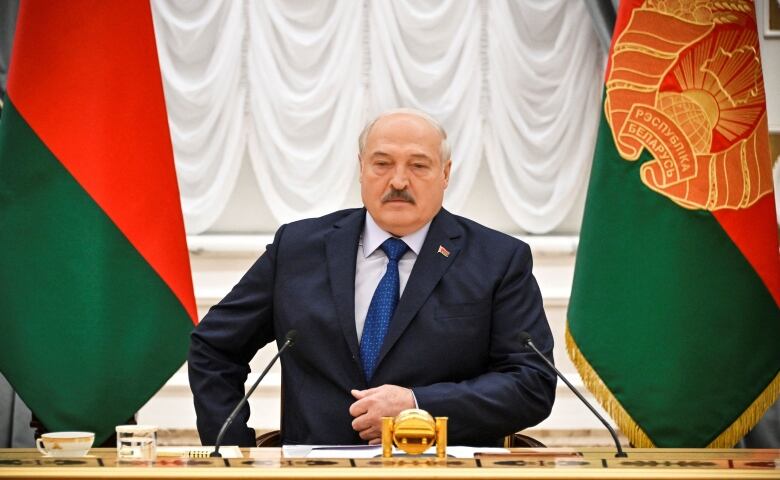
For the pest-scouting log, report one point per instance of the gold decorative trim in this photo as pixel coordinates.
(750, 417)
(599, 389)
(692, 96)
(638, 438)
(49, 439)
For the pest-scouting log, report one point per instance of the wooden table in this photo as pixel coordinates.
(547, 463)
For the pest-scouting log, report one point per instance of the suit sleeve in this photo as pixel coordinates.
(517, 389)
(223, 344)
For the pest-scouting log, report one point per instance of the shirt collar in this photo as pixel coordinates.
(374, 236)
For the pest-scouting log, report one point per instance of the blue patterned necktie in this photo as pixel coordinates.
(382, 306)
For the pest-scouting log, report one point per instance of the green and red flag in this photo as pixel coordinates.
(96, 298)
(674, 322)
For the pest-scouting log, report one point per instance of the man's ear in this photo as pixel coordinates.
(360, 169)
(447, 173)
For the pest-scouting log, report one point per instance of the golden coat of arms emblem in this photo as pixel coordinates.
(691, 93)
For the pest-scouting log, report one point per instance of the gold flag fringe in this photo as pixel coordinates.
(627, 425)
(750, 417)
(638, 438)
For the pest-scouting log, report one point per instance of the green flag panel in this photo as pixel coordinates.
(90, 331)
(666, 310)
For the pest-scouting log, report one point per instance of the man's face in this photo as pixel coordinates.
(401, 175)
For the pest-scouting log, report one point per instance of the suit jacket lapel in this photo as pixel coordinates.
(341, 251)
(428, 270)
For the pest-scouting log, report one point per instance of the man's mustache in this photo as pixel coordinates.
(402, 195)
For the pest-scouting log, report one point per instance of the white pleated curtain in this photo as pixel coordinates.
(287, 85)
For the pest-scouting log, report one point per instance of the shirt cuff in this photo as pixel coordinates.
(414, 397)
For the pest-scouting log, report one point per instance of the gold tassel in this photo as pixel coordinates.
(749, 418)
(625, 423)
(727, 439)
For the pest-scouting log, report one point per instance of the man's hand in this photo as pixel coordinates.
(375, 403)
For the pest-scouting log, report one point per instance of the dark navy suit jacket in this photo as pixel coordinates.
(453, 338)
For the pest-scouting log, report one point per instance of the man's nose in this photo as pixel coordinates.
(400, 179)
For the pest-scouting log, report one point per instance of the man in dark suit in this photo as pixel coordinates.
(449, 345)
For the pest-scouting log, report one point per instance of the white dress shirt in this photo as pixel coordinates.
(371, 265)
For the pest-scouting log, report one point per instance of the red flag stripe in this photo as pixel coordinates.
(754, 232)
(84, 104)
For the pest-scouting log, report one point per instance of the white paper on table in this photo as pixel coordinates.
(331, 451)
(372, 451)
(469, 452)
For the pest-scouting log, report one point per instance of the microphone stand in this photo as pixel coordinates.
(525, 338)
(288, 342)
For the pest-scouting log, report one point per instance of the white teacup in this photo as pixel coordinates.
(65, 444)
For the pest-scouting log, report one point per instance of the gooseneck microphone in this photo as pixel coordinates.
(289, 341)
(525, 339)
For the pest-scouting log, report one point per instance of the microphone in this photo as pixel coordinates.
(289, 341)
(525, 339)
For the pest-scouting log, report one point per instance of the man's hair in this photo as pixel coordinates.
(444, 147)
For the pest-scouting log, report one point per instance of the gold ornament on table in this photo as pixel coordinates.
(414, 431)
